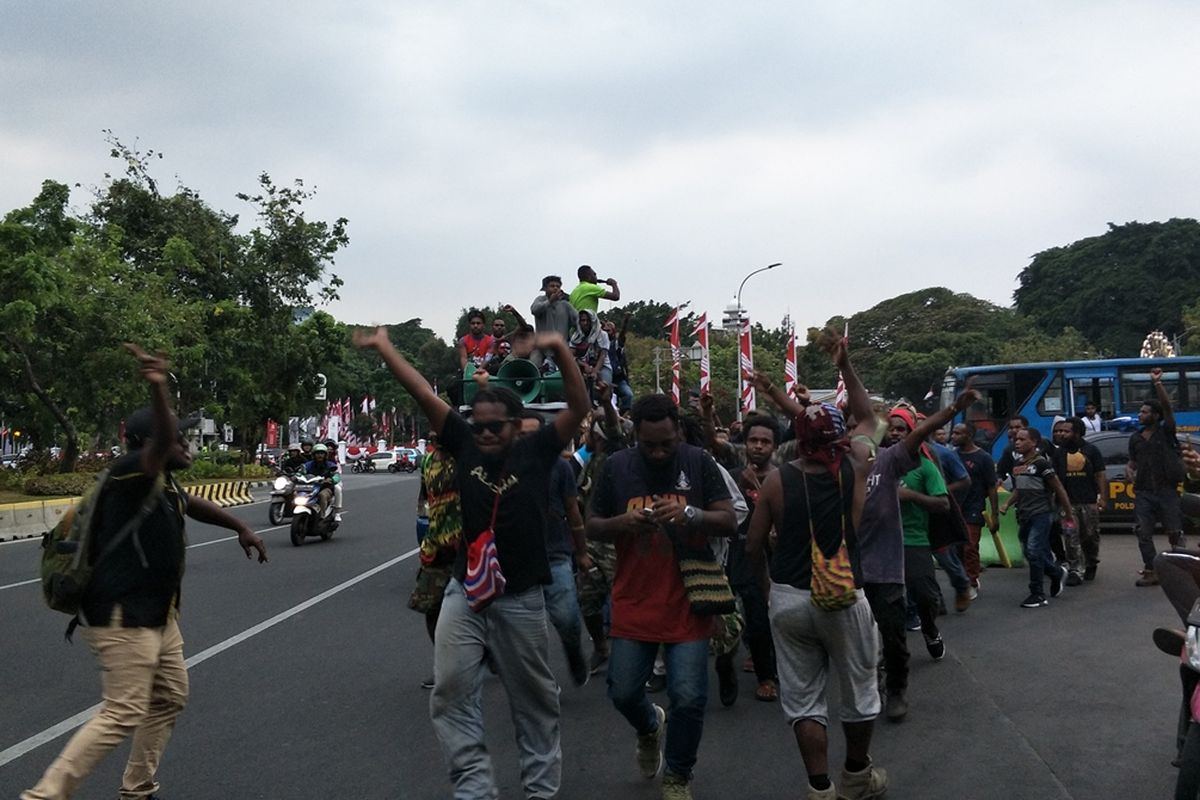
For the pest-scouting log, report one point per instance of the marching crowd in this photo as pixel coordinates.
(811, 535)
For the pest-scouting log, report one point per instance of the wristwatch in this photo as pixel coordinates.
(692, 515)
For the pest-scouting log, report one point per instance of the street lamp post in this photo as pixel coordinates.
(739, 331)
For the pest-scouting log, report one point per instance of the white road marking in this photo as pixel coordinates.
(71, 723)
(19, 583)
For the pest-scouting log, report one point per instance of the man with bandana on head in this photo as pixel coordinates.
(819, 502)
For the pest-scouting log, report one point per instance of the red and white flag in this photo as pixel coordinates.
(701, 334)
(790, 375)
(746, 363)
(676, 375)
(840, 398)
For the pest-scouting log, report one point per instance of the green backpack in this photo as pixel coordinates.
(67, 564)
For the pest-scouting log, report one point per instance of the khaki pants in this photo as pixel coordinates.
(145, 686)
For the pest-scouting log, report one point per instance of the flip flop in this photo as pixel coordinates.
(767, 692)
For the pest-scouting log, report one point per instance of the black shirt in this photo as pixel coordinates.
(1156, 459)
(1077, 470)
(828, 517)
(147, 591)
(523, 479)
(982, 470)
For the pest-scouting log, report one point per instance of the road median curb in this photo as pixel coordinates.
(29, 519)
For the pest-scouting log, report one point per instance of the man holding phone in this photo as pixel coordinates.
(648, 501)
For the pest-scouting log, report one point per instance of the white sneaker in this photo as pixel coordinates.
(337, 517)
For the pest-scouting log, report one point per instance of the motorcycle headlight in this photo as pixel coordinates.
(281, 483)
(301, 500)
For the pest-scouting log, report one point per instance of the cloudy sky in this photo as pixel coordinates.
(872, 147)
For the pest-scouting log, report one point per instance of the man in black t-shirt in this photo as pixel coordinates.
(1156, 470)
(1080, 467)
(503, 483)
(131, 605)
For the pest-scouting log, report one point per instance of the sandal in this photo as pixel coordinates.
(767, 692)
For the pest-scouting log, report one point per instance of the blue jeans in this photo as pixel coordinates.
(513, 630)
(952, 565)
(624, 394)
(562, 606)
(629, 667)
(1035, 538)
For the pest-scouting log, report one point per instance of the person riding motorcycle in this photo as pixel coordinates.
(324, 467)
(295, 460)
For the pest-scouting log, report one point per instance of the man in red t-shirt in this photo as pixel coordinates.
(476, 346)
(648, 501)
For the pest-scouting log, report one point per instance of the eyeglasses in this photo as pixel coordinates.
(494, 427)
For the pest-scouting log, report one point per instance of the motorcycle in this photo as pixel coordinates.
(402, 464)
(364, 464)
(313, 513)
(281, 505)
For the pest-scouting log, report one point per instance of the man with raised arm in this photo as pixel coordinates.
(502, 489)
(820, 502)
(1156, 471)
(130, 610)
(586, 296)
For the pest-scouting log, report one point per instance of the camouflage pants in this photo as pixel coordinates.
(595, 584)
(426, 596)
(728, 631)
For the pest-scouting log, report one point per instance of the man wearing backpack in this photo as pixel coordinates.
(130, 606)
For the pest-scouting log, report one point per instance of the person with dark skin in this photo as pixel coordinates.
(503, 483)
(131, 605)
(1155, 469)
(475, 346)
(1080, 467)
(802, 645)
(982, 487)
(1035, 488)
(586, 296)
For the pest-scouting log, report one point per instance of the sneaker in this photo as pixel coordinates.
(863, 785)
(599, 659)
(649, 747)
(823, 794)
(1056, 582)
(973, 592)
(427, 683)
(1074, 579)
(1148, 578)
(1089, 572)
(963, 601)
(675, 787)
(337, 518)
(656, 683)
(1034, 601)
(896, 707)
(1169, 640)
(726, 680)
(936, 647)
(913, 624)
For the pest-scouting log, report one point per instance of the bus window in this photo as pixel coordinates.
(1025, 383)
(1192, 382)
(1094, 390)
(1136, 388)
(1051, 404)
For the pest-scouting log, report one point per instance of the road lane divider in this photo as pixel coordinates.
(12, 753)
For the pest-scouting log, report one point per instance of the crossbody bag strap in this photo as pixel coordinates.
(129, 527)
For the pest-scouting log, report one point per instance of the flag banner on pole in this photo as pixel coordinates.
(746, 351)
(790, 374)
(840, 398)
(701, 334)
(676, 374)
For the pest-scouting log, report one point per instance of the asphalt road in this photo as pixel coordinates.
(305, 683)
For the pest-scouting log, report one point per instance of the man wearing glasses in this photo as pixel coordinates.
(502, 487)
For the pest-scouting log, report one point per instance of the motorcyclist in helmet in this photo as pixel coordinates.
(323, 466)
(294, 461)
(306, 447)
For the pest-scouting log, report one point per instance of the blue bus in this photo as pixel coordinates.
(1044, 391)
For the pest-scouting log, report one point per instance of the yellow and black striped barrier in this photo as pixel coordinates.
(229, 493)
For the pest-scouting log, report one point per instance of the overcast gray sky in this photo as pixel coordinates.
(873, 147)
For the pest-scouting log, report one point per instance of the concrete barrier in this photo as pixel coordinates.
(54, 510)
(35, 517)
(29, 518)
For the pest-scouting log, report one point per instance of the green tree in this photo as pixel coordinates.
(1117, 287)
